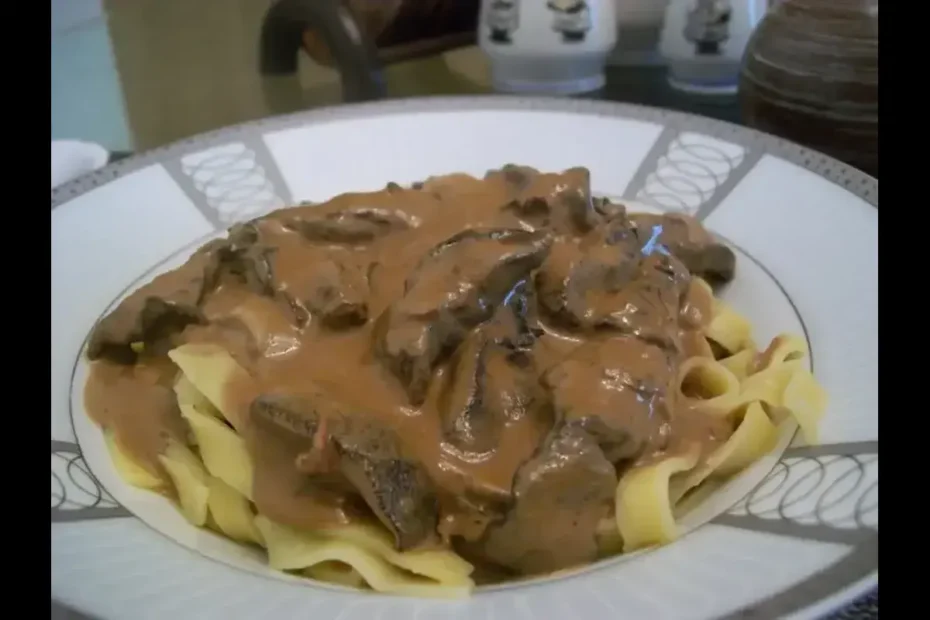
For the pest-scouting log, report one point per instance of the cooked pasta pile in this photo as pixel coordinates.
(741, 398)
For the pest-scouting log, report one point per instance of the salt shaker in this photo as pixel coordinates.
(547, 47)
(703, 42)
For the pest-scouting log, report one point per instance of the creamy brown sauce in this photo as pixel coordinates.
(473, 361)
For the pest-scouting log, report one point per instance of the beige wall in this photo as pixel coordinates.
(188, 66)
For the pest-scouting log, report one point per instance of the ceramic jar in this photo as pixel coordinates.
(547, 47)
(810, 74)
(703, 42)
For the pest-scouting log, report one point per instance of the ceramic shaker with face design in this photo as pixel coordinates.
(547, 47)
(703, 42)
(572, 19)
(503, 18)
(708, 26)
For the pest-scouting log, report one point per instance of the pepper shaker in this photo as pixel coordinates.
(556, 47)
(703, 42)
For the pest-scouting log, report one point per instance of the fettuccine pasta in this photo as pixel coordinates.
(757, 392)
(415, 391)
(289, 549)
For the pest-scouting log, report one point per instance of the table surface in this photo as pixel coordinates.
(136, 75)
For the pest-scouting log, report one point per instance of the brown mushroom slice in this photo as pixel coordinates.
(150, 316)
(615, 389)
(715, 263)
(351, 226)
(576, 275)
(515, 323)
(294, 418)
(247, 266)
(648, 306)
(466, 517)
(411, 347)
(471, 273)
(489, 385)
(561, 202)
(690, 243)
(397, 489)
(594, 285)
(171, 302)
(560, 495)
(242, 259)
(454, 288)
(338, 453)
(333, 289)
(517, 178)
(283, 429)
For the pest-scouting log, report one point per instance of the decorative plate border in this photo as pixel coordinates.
(853, 571)
(853, 180)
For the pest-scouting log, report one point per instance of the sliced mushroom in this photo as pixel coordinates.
(339, 452)
(605, 281)
(561, 202)
(455, 287)
(689, 242)
(351, 226)
(487, 388)
(397, 489)
(150, 316)
(334, 290)
(615, 389)
(560, 495)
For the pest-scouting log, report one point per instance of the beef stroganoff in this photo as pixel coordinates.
(419, 389)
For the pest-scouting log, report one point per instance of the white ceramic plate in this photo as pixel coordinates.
(795, 536)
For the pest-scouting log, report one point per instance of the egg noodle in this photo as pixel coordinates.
(757, 392)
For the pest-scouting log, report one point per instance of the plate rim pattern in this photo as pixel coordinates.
(855, 570)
